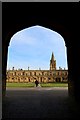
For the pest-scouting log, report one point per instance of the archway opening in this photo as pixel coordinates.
(37, 52)
(47, 71)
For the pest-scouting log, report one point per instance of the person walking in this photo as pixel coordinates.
(36, 82)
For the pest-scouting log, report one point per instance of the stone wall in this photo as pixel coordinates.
(40, 75)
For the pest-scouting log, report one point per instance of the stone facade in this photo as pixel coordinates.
(52, 75)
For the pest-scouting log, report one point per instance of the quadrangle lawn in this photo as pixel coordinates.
(33, 84)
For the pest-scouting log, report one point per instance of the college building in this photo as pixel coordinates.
(46, 76)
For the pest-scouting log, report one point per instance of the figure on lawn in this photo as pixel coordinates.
(36, 82)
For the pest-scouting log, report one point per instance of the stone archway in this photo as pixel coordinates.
(59, 23)
(7, 51)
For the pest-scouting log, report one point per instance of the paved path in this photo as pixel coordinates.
(37, 88)
(39, 103)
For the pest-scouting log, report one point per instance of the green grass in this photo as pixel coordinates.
(33, 84)
(20, 84)
(54, 85)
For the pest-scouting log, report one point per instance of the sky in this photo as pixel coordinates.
(32, 47)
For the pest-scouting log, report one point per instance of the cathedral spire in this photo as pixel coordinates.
(52, 62)
(52, 56)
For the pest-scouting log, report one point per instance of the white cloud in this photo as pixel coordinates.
(20, 39)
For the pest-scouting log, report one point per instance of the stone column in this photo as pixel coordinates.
(4, 65)
(71, 76)
(61, 79)
(39, 80)
(42, 79)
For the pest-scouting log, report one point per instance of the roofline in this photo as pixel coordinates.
(40, 70)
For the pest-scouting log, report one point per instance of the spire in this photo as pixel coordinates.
(52, 62)
(52, 58)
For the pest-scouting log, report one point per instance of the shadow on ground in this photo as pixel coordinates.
(39, 103)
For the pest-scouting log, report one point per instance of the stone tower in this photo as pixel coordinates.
(52, 63)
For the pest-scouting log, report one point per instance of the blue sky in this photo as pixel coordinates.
(33, 47)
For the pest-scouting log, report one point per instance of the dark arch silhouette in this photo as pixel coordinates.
(54, 18)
